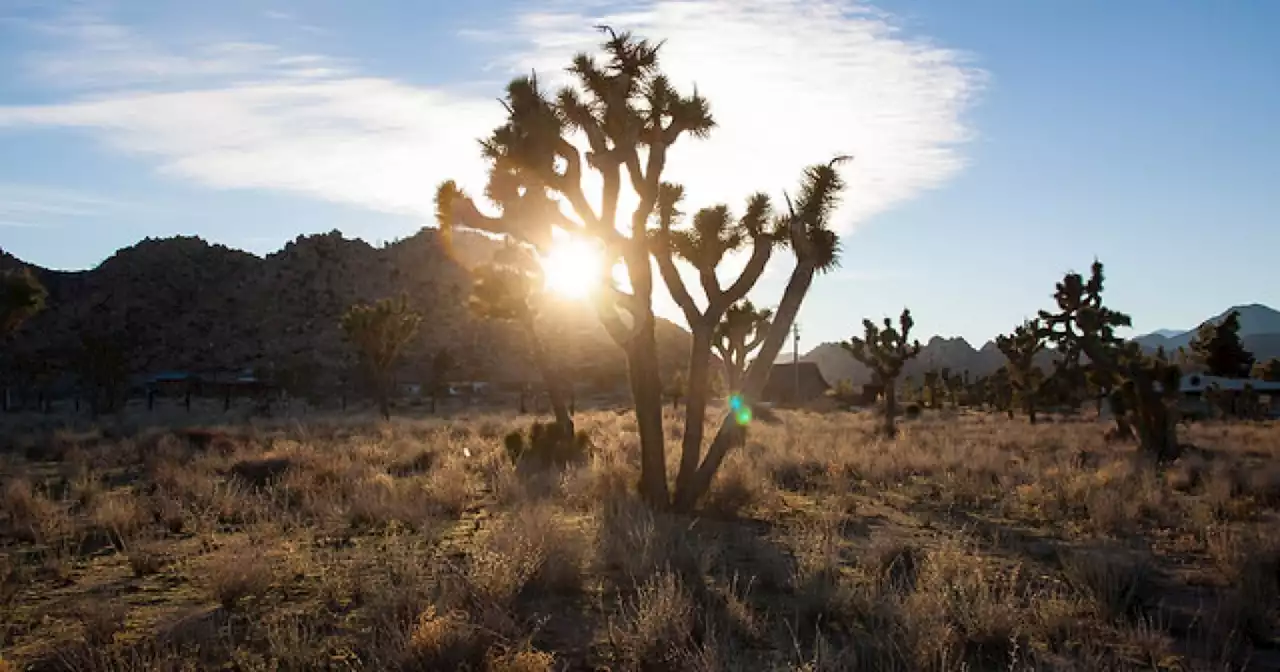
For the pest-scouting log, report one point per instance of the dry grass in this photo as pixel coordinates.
(970, 542)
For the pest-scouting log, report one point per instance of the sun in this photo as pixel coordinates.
(572, 268)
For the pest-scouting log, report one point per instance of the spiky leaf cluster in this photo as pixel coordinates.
(807, 227)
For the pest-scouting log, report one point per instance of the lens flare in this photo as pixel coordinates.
(741, 412)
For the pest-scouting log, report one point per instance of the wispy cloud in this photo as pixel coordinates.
(791, 82)
(39, 206)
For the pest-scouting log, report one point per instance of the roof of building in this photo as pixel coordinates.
(781, 385)
(1197, 382)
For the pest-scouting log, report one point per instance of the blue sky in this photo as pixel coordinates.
(998, 143)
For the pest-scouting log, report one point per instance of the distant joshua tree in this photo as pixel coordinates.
(741, 331)
(379, 332)
(1147, 392)
(443, 365)
(885, 350)
(21, 296)
(511, 289)
(1021, 348)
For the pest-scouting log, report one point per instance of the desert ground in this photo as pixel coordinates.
(971, 541)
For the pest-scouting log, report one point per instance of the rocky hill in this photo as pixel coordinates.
(182, 304)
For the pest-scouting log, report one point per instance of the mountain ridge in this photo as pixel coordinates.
(183, 303)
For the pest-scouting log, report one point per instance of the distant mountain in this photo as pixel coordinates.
(1259, 329)
(954, 353)
(1256, 320)
(182, 304)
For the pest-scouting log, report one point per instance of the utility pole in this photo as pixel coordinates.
(795, 357)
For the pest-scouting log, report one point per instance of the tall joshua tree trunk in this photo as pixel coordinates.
(557, 391)
(891, 408)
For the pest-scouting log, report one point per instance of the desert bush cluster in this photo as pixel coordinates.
(966, 542)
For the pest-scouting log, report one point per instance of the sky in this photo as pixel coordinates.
(997, 144)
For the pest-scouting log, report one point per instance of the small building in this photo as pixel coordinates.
(781, 386)
(1195, 389)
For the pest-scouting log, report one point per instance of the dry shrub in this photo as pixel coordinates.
(33, 516)
(380, 501)
(737, 487)
(655, 627)
(261, 472)
(965, 608)
(147, 559)
(1251, 564)
(450, 489)
(444, 642)
(604, 476)
(420, 463)
(101, 620)
(519, 661)
(241, 574)
(1263, 484)
(1116, 585)
(895, 562)
(119, 515)
(530, 555)
(85, 489)
(168, 512)
(1188, 474)
(636, 542)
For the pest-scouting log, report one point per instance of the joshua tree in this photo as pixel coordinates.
(1147, 392)
(511, 289)
(379, 332)
(630, 116)
(21, 296)
(741, 331)
(885, 351)
(1219, 348)
(1021, 348)
(442, 364)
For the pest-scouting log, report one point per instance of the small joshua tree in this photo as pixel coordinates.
(741, 331)
(21, 296)
(379, 332)
(1146, 396)
(1021, 348)
(885, 350)
(511, 289)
